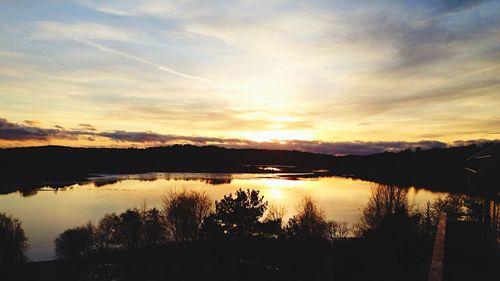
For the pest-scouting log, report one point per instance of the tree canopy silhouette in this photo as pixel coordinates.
(106, 233)
(389, 216)
(337, 230)
(13, 242)
(384, 200)
(237, 216)
(130, 228)
(75, 242)
(309, 223)
(153, 227)
(184, 213)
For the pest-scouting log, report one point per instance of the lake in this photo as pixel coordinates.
(47, 212)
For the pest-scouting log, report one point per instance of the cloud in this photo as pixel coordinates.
(334, 148)
(12, 131)
(86, 127)
(31, 122)
(87, 32)
(470, 142)
(143, 61)
(114, 11)
(352, 147)
(53, 30)
(444, 93)
(447, 7)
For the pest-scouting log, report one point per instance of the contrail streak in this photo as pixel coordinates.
(144, 61)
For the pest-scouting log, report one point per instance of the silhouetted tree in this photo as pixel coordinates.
(184, 213)
(75, 242)
(211, 228)
(337, 230)
(474, 207)
(398, 227)
(275, 213)
(343, 230)
(13, 242)
(385, 200)
(457, 207)
(238, 216)
(309, 223)
(428, 222)
(390, 222)
(107, 232)
(272, 224)
(153, 227)
(452, 204)
(130, 230)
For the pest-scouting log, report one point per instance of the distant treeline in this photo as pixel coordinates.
(439, 168)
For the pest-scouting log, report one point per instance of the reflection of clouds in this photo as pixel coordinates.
(274, 169)
(211, 179)
(276, 183)
(216, 181)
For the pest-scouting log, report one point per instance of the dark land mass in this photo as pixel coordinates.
(439, 169)
(350, 259)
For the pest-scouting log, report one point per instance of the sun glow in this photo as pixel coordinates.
(276, 193)
(278, 136)
(277, 183)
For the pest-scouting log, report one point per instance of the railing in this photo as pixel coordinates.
(436, 269)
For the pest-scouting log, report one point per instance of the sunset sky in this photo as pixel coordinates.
(325, 76)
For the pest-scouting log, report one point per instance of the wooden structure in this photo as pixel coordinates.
(484, 174)
(436, 269)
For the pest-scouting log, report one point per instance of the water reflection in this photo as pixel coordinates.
(50, 211)
(212, 179)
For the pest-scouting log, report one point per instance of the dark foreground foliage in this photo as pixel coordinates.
(254, 259)
(244, 239)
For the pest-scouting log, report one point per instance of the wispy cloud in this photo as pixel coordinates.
(142, 60)
(53, 30)
(115, 11)
(87, 127)
(87, 32)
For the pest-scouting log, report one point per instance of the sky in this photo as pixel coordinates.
(335, 77)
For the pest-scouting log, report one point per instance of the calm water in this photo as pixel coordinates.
(49, 212)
